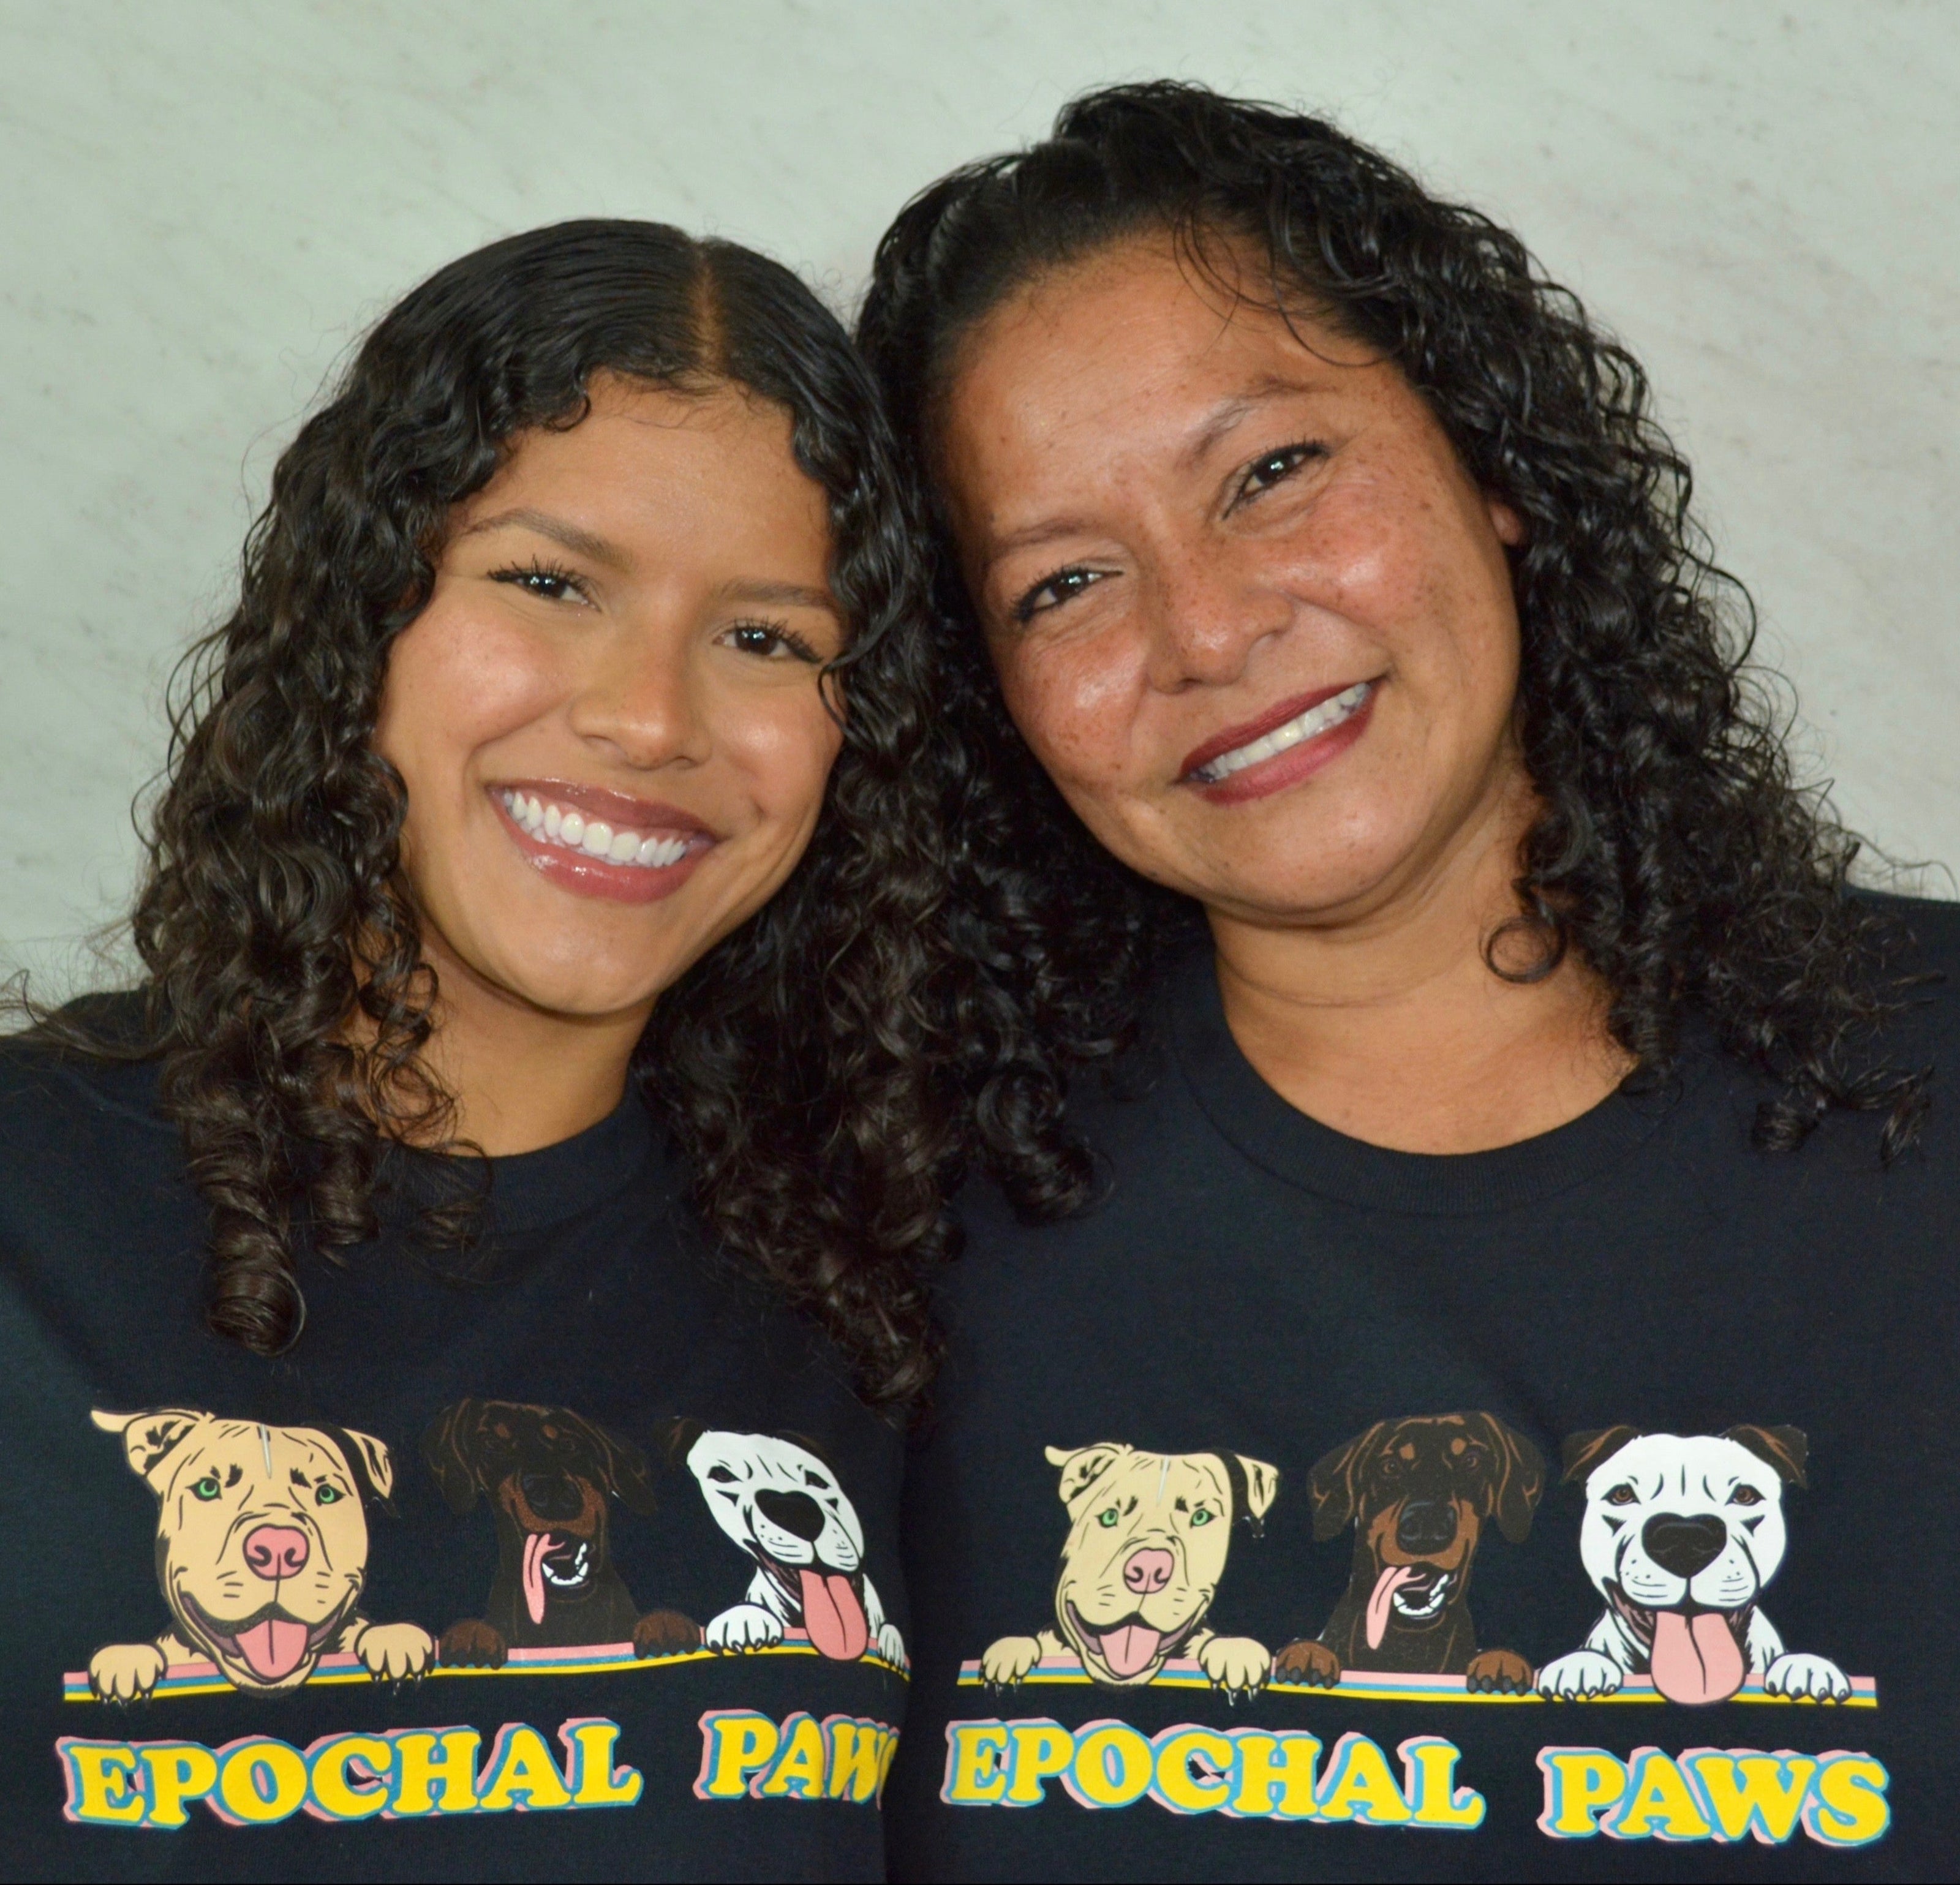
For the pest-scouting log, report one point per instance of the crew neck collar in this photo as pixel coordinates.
(1301, 1151)
(530, 1190)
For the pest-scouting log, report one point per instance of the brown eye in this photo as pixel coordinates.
(1745, 1496)
(1622, 1494)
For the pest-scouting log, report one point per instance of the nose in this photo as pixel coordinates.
(638, 700)
(1149, 1570)
(1682, 1545)
(552, 1495)
(1208, 619)
(797, 1513)
(276, 1551)
(1426, 1524)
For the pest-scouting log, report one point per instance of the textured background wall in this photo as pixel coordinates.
(208, 201)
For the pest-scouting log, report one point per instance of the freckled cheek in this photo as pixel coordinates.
(1077, 709)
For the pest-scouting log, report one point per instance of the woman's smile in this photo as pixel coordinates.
(1280, 747)
(596, 842)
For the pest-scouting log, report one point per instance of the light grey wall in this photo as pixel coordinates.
(207, 201)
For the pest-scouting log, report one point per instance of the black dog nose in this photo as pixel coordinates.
(1426, 1524)
(798, 1513)
(1682, 1545)
(552, 1495)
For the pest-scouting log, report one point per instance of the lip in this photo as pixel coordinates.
(1284, 769)
(587, 877)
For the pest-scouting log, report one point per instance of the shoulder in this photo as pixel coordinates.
(84, 1065)
(1921, 971)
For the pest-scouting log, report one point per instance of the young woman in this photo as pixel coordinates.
(542, 899)
(1513, 1275)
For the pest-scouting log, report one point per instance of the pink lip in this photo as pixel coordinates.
(587, 877)
(1284, 769)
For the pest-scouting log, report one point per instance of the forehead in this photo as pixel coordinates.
(1671, 1460)
(752, 1453)
(1149, 1474)
(248, 1445)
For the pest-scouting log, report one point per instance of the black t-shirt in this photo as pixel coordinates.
(583, 1567)
(1191, 1548)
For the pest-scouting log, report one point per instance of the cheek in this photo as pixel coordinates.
(784, 749)
(455, 682)
(1075, 705)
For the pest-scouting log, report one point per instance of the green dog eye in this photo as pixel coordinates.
(328, 1496)
(1106, 1518)
(1200, 1516)
(206, 1488)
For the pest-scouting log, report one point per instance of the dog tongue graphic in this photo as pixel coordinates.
(1386, 1585)
(536, 1546)
(1695, 1659)
(274, 1647)
(833, 1615)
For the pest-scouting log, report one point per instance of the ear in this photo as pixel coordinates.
(674, 1439)
(370, 1459)
(1786, 1448)
(1520, 1479)
(1262, 1487)
(149, 1439)
(1584, 1451)
(447, 1450)
(1332, 1487)
(1084, 1466)
(627, 1475)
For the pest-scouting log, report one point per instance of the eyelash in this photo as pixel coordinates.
(799, 648)
(524, 575)
(1288, 458)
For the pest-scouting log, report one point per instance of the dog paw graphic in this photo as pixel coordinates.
(745, 1626)
(392, 1652)
(125, 1672)
(1806, 1679)
(665, 1633)
(473, 1644)
(1583, 1673)
(1236, 1664)
(1307, 1661)
(1498, 1672)
(1008, 1661)
(892, 1646)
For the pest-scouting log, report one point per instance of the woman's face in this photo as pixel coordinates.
(1247, 608)
(609, 716)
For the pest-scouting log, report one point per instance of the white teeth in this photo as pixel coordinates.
(1310, 725)
(570, 831)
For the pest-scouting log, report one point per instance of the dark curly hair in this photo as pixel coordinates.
(794, 1065)
(1674, 849)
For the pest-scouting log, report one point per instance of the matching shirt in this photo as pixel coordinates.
(575, 1562)
(1584, 1508)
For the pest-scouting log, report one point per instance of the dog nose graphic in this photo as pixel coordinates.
(798, 1513)
(1682, 1545)
(1148, 1570)
(553, 1494)
(276, 1551)
(1426, 1524)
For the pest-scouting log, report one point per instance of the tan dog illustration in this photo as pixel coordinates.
(1147, 1539)
(261, 1551)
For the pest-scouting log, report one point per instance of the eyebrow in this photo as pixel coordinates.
(583, 543)
(781, 594)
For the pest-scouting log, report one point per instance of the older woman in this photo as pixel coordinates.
(1521, 1160)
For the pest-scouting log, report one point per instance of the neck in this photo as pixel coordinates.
(1389, 1025)
(523, 1077)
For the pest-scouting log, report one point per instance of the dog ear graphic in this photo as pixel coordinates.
(1583, 1451)
(1083, 1466)
(1786, 1448)
(1520, 1480)
(373, 1465)
(628, 1474)
(674, 1438)
(1331, 1486)
(446, 1450)
(150, 1437)
(1255, 1486)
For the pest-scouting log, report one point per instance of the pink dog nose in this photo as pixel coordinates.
(1148, 1570)
(276, 1551)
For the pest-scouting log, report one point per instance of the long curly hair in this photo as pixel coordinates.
(289, 1000)
(1674, 849)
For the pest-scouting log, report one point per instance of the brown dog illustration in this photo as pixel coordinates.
(548, 1473)
(1417, 1492)
(261, 1551)
(1148, 1535)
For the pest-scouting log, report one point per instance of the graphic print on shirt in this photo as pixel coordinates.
(261, 1552)
(1418, 1492)
(1681, 1533)
(1148, 1537)
(548, 1474)
(784, 1506)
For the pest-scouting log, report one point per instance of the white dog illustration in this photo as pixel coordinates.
(784, 1506)
(262, 1552)
(1681, 1535)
